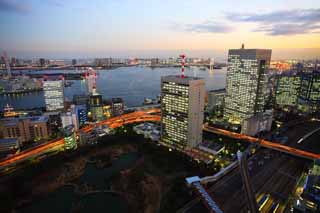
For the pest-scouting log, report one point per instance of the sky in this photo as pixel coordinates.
(158, 28)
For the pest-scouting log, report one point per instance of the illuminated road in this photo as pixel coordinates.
(115, 122)
(264, 143)
(151, 115)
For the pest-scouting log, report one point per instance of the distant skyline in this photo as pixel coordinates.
(158, 28)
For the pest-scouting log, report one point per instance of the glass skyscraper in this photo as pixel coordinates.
(247, 83)
(182, 106)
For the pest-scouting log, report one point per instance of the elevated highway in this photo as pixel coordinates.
(115, 122)
(264, 143)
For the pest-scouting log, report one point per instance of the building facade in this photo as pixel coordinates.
(182, 108)
(287, 90)
(117, 106)
(309, 95)
(216, 99)
(25, 129)
(247, 83)
(54, 95)
(96, 107)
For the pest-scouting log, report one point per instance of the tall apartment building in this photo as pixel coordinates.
(53, 95)
(247, 83)
(182, 106)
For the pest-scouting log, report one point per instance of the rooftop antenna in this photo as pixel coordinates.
(182, 56)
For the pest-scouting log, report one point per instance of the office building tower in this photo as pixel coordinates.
(309, 95)
(70, 141)
(247, 83)
(79, 115)
(74, 62)
(182, 106)
(117, 105)
(96, 107)
(53, 94)
(287, 89)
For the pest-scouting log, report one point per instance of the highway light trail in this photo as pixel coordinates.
(152, 115)
(115, 122)
(264, 143)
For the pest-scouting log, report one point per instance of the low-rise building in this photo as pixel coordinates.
(216, 100)
(258, 123)
(149, 130)
(25, 129)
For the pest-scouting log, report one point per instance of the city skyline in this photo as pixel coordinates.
(78, 29)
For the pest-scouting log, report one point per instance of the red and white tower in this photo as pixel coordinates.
(182, 56)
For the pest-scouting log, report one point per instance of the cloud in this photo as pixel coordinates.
(14, 6)
(205, 27)
(286, 22)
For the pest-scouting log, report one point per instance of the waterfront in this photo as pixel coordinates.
(133, 84)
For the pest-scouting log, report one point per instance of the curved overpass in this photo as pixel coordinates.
(264, 143)
(115, 122)
(151, 115)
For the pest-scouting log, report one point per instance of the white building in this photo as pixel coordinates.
(257, 123)
(247, 83)
(66, 119)
(53, 94)
(182, 106)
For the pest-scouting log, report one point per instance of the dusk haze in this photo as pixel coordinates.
(158, 106)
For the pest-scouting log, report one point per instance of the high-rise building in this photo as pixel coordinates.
(79, 115)
(287, 89)
(182, 106)
(74, 62)
(309, 95)
(96, 107)
(117, 106)
(247, 83)
(53, 94)
(70, 141)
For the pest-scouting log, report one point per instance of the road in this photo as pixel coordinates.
(264, 143)
(139, 116)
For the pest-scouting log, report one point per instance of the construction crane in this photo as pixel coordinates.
(6, 60)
